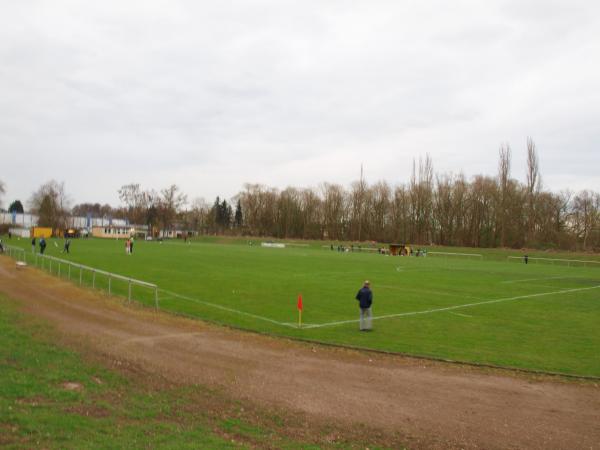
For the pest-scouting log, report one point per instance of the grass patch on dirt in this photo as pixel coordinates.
(53, 397)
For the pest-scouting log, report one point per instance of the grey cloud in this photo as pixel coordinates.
(211, 95)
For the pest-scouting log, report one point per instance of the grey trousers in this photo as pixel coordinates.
(365, 318)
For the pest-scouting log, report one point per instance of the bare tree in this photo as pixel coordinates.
(251, 200)
(310, 211)
(533, 168)
(289, 217)
(197, 216)
(401, 222)
(421, 193)
(503, 179)
(378, 200)
(443, 211)
(357, 196)
(534, 184)
(137, 201)
(585, 216)
(51, 203)
(170, 202)
(486, 211)
(334, 210)
(95, 209)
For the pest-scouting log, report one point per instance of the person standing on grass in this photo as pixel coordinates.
(33, 245)
(131, 245)
(67, 245)
(526, 259)
(365, 300)
(42, 245)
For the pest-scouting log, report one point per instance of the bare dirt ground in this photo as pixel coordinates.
(421, 403)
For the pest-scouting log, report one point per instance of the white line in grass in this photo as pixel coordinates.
(536, 279)
(224, 308)
(450, 308)
(459, 314)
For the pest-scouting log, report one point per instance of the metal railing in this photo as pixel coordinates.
(81, 273)
(567, 262)
(476, 255)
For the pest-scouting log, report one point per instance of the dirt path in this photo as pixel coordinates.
(430, 404)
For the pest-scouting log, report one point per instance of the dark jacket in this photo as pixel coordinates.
(365, 297)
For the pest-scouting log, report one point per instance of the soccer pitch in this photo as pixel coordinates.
(487, 310)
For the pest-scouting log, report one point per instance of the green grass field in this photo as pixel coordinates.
(491, 310)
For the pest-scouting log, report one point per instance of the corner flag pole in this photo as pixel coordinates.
(299, 311)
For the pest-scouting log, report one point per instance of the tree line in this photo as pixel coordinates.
(430, 208)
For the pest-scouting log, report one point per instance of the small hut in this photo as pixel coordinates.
(399, 250)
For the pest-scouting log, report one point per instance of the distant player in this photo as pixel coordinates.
(526, 259)
(66, 247)
(42, 245)
(33, 245)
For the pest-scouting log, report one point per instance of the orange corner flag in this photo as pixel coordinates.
(300, 311)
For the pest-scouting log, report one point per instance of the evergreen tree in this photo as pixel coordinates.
(239, 218)
(16, 206)
(225, 211)
(216, 213)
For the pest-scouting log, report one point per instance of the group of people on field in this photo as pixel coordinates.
(43, 244)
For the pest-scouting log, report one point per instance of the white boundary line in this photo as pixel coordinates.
(224, 308)
(537, 279)
(450, 308)
(388, 316)
(459, 314)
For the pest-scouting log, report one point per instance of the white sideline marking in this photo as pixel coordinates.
(459, 314)
(224, 308)
(535, 279)
(450, 308)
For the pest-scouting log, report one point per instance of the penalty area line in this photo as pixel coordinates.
(451, 308)
(224, 308)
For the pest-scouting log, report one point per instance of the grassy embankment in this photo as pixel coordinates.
(51, 397)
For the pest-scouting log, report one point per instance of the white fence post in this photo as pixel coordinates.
(14, 253)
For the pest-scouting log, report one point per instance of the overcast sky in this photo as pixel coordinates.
(211, 95)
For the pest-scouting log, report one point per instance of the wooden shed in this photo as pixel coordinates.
(399, 250)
